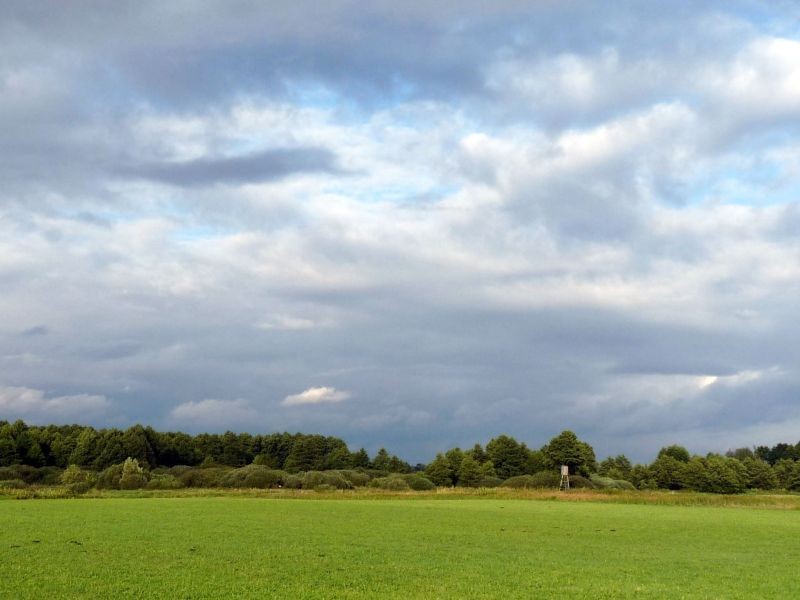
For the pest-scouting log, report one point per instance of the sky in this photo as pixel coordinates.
(407, 224)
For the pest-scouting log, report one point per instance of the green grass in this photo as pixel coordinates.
(428, 547)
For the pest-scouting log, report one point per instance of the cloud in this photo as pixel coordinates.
(517, 219)
(214, 414)
(316, 395)
(35, 406)
(266, 165)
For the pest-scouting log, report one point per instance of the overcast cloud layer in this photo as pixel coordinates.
(406, 225)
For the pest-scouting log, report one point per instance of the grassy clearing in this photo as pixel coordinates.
(432, 547)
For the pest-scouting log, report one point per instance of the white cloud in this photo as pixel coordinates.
(316, 395)
(35, 406)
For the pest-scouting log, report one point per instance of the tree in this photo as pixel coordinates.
(360, 459)
(725, 475)
(487, 469)
(469, 472)
(617, 467)
(8, 448)
(677, 452)
(508, 456)
(454, 456)
(478, 453)
(668, 472)
(567, 449)
(382, 460)
(760, 475)
(439, 471)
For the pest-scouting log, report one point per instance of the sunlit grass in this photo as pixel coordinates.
(369, 544)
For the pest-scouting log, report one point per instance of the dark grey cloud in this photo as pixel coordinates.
(257, 167)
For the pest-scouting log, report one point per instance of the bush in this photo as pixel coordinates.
(580, 482)
(292, 482)
(74, 474)
(539, 480)
(546, 479)
(204, 477)
(418, 482)
(164, 481)
(133, 476)
(356, 478)
(395, 484)
(108, 479)
(491, 482)
(30, 474)
(253, 476)
(611, 484)
(178, 470)
(13, 484)
(80, 487)
(313, 479)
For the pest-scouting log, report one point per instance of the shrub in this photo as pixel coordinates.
(611, 484)
(324, 487)
(396, 484)
(80, 487)
(490, 482)
(13, 484)
(520, 481)
(164, 481)
(546, 479)
(26, 473)
(356, 478)
(133, 476)
(253, 476)
(418, 482)
(50, 475)
(292, 482)
(74, 474)
(179, 470)
(208, 477)
(108, 479)
(312, 479)
(581, 482)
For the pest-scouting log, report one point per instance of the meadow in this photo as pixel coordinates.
(413, 546)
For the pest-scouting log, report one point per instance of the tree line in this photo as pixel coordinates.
(98, 449)
(230, 459)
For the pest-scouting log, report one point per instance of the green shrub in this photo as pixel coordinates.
(27, 473)
(108, 479)
(418, 483)
(546, 479)
(312, 479)
(292, 482)
(396, 484)
(13, 484)
(133, 476)
(179, 470)
(74, 474)
(253, 476)
(356, 478)
(79, 488)
(580, 482)
(203, 477)
(491, 482)
(611, 484)
(520, 481)
(164, 481)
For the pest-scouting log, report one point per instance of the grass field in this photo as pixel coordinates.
(250, 547)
